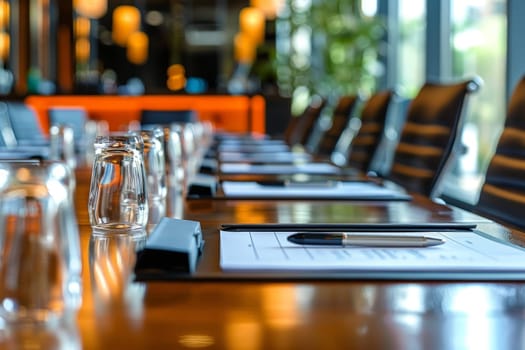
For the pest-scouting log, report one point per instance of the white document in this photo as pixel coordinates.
(463, 251)
(265, 157)
(254, 148)
(329, 189)
(284, 169)
(252, 142)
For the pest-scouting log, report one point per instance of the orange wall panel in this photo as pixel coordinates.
(227, 113)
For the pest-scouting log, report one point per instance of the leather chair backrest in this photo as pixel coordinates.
(502, 195)
(343, 111)
(25, 123)
(304, 124)
(7, 134)
(366, 142)
(74, 117)
(433, 122)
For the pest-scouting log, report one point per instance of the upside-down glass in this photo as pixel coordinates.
(155, 164)
(118, 194)
(186, 143)
(174, 159)
(62, 144)
(40, 260)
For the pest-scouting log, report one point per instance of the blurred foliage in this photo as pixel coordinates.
(343, 48)
(351, 45)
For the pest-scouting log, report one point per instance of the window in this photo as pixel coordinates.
(478, 41)
(411, 57)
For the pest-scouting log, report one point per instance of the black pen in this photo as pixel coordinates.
(361, 239)
(298, 184)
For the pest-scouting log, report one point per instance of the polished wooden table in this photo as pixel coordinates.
(118, 313)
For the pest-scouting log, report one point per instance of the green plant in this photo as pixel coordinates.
(349, 43)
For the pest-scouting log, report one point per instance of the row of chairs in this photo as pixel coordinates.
(428, 143)
(502, 195)
(23, 136)
(20, 124)
(426, 139)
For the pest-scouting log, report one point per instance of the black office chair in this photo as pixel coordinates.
(343, 111)
(366, 141)
(26, 126)
(7, 134)
(166, 117)
(74, 117)
(301, 127)
(428, 138)
(502, 195)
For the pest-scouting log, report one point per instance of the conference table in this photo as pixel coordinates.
(209, 310)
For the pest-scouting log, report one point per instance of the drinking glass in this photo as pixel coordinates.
(92, 129)
(184, 137)
(174, 159)
(40, 260)
(62, 144)
(155, 164)
(118, 194)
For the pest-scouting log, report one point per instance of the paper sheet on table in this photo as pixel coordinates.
(280, 169)
(463, 251)
(252, 142)
(254, 148)
(323, 190)
(265, 157)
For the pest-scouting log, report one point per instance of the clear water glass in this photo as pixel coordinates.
(40, 259)
(118, 191)
(62, 144)
(174, 159)
(155, 164)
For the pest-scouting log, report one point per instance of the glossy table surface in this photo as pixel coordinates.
(117, 313)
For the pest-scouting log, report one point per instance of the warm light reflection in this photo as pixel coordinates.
(109, 276)
(176, 82)
(243, 334)
(196, 341)
(110, 268)
(4, 14)
(91, 8)
(111, 261)
(280, 305)
(176, 69)
(82, 50)
(247, 212)
(5, 43)
(252, 23)
(82, 27)
(245, 48)
(270, 8)
(137, 47)
(126, 20)
(103, 287)
(23, 174)
(176, 77)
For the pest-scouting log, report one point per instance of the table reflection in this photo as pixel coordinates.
(61, 336)
(111, 261)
